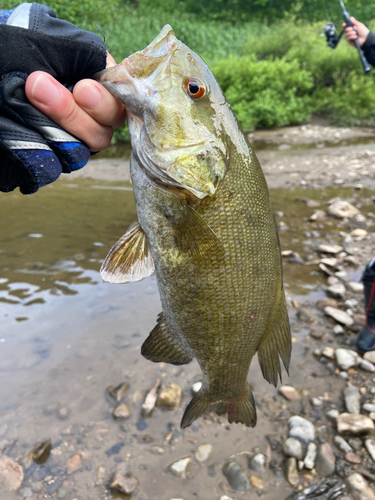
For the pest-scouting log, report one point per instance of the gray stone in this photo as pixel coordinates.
(325, 460)
(27, 492)
(346, 358)
(342, 210)
(124, 484)
(310, 457)
(370, 447)
(236, 476)
(305, 315)
(333, 415)
(292, 471)
(338, 330)
(11, 473)
(257, 462)
(355, 287)
(202, 452)
(317, 402)
(355, 425)
(342, 444)
(180, 467)
(301, 429)
(359, 487)
(369, 407)
(339, 316)
(366, 365)
(122, 410)
(343, 375)
(336, 291)
(352, 398)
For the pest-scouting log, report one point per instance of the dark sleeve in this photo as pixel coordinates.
(369, 48)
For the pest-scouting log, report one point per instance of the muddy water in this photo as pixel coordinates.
(65, 336)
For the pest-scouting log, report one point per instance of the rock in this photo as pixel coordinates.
(301, 429)
(323, 303)
(122, 411)
(317, 402)
(291, 471)
(329, 352)
(73, 463)
(316, 334)
(332, 280)
(100, 476)
(325, 248)
(202, 452)
(369, 356)
(366, 365)
(305, 315)
(343, 276)
(11, 474)
(180, 467)
(330, 261)
(333, 415)
(355, 425)
(352, 398)
(295, 258)
(236, 476)
(338, 330)
(346, 358)
(257, 462)
(372, 415)
(343, 375)
(224, 497)
(339, 315)
(325, 460)
(124, 484)
(150, 400)
(356, 443)
(170, 397)
(342, 210)
(312, 203)
(117, 392)
(196, 388)
(157, 450)
(310, 457)
(370, 447)
(318, 215)
(358, 233)
(369, 407)
(256, 482)
(336, 291)
(40, 452)
(359, 487)
(355, 287)
(289, 392)
(342, 444)
(352, 458)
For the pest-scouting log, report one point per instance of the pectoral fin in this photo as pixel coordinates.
(161, 345)
(129, 259)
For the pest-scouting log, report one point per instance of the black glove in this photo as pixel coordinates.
(33, 149)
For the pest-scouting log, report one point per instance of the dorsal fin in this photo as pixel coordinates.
(129, 259)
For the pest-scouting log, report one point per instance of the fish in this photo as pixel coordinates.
(205, 228)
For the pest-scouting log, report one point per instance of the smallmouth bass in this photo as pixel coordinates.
(205, 227)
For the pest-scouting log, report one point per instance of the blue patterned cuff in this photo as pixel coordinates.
(5, 15)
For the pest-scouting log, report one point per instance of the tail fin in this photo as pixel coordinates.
(239, 410)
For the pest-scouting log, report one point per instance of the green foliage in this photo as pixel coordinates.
(265, 94)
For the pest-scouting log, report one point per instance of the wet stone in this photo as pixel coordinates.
(342, 444)
(257, 462)
(11, 473)
(301, 429)
(355, 287)
(356, 425)
(369, 407)
(289, 392)
(352, 398)
(327, 248)
(370, 447)
(369, 356)
(318, 215)
(329, 352)
(316, 334)
(346, 358)
(116, 448)
(100, 476)
(117, 392)
(180, 467)
(295, 258)
(74, 463)
(352, 458)
(310, 457)
(366, 365)
(26, 492)
(342, 210)
(332, 415)
(170, 397)
(326, 302)
(338, 330)
(63, 413)
(157, 450)
(359, 487)
(339, 316)
(122, 411)
(325, 460)
(150, 400)
(293, 448)
(40, 452)
(256, 482)
(305, 315)
(203, 452)
(236, 476)
(291, 471)
(336, 291)
(126, 484)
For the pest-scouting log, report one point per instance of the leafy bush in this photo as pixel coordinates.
(265, 94)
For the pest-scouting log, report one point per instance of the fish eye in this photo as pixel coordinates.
(195, 88)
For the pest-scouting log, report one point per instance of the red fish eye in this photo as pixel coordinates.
(195, 88)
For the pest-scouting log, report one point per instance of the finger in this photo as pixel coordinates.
(55, 101)
(99, 103)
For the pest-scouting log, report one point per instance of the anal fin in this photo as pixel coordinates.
(161, 345)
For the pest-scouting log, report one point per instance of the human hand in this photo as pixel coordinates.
(360, 32)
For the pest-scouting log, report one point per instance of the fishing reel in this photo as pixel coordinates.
(331, 35)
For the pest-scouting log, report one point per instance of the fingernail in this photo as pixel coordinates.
(87, 95)
(45, 91)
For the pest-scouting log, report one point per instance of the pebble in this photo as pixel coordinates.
(325, 460)
(333, 415)
(352, 398)
(370, 356)
(73, 463)
(293, 448)
(339, 316)
(342, 444)
(356, 425)
(225, 497)
(236, 476)
(370, 447)
(355, 287)
(317, 402)
(203, 452)
(11, 473)
(150, 400)
(325, 302)
(329, 352)
(291, 471)
(352, 458)
(180, 467)
(301, 429)
(316, 334)
(359, 487)
(196, 388)
(312, 203)
(342, 209)
(326, 248)
(157, 450)
(305, 315)
(289, 392)
(170, 397)
(338, 330)
(336, 291)
(256, 482)
(344, 375)
(358, 233)
(346, 358)
(366, 365)
(118, 392)
(100, 476)
(124, 484)
(332, 280)
(40, 452)
(122, 411)
(318, 215)
(369, 407)
(332, 262)
(310, 457)
(257, 462)
(26, 492)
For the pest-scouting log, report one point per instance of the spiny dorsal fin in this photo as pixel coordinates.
(196, 238)
(161, 345)
(129, 259)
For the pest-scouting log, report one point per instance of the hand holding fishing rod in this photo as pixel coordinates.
(355, 40)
